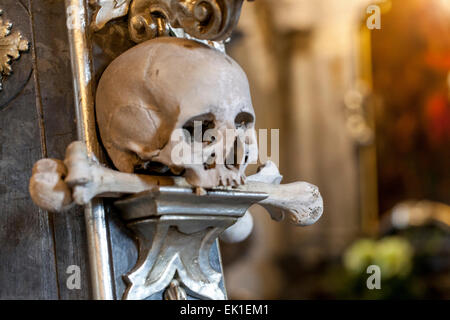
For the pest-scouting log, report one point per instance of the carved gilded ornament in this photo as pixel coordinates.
(202, 19)
(10, 47)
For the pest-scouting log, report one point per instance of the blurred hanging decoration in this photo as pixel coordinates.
(356, 102)
(202, 19)
(10, 47)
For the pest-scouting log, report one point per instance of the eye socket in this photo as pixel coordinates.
(208, 122)
(244, 119)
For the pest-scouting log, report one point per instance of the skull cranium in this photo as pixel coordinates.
(169, 85)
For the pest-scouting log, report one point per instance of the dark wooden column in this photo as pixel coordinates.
(36, 121)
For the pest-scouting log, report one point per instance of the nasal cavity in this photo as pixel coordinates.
(233, 157)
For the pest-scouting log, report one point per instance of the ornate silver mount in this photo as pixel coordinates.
(10, 47)
(212, 20)
(175, 229)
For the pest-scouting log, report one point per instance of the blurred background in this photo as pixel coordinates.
(364, 114)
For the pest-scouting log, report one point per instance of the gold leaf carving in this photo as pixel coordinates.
(10, 47)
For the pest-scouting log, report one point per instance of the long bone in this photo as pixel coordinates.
(87, 179)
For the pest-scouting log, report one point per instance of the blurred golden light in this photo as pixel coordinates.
(445, 4)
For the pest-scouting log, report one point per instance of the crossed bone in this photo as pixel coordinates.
(56, 185)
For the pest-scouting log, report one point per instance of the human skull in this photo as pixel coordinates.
(167, 86)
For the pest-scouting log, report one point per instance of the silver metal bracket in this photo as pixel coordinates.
(176, 228)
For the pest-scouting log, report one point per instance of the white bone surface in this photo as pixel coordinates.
(88, 179)
(47, 188)
(161, 86)
(239, 231)
(242, 229)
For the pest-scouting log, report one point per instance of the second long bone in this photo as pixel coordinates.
(300, 201)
